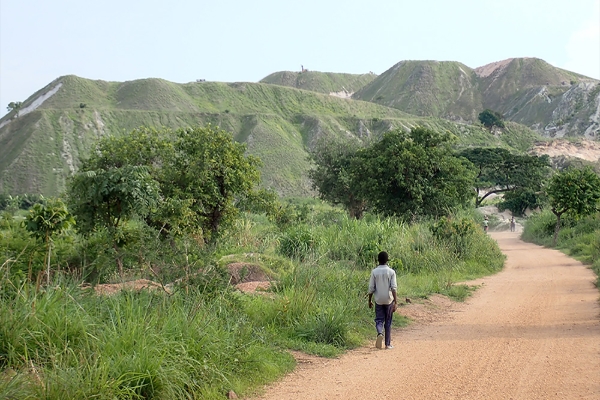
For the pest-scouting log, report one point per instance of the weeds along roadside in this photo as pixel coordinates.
(65, 342)
(578, 238)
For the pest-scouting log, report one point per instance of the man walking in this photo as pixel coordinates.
(382, 285)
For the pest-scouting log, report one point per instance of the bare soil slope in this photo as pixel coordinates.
(531, 332)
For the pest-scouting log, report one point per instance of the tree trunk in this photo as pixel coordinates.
(119, 261)
(556, 229)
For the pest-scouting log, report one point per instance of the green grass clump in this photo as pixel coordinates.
(133, 345)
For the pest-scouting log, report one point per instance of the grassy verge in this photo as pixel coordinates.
(579, 239)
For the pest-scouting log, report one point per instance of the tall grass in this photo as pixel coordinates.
(133, 345)
(579, 238)
(66, 342)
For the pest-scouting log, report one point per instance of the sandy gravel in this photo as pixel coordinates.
(531, 332)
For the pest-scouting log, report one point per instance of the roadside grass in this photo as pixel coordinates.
(579, 239)
(205, 338)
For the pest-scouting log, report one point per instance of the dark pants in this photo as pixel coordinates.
(383, 320)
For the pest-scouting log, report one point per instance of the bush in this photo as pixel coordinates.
(297, 242)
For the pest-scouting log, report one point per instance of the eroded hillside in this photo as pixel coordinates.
(550, 100)
(41, 149)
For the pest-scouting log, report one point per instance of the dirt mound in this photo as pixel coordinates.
(248, 277)
(137, 285)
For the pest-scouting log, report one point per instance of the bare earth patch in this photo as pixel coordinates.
(137, 285)
(585, 149)
(248, 277)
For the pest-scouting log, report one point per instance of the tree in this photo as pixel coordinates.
(108, 197)
(193, 177)
(210, 171)
(519, 200)
(47, 220)
(573, 191)
(332, 175)
(500, 171)
(413, 174)
(490, 118)
(14, 105)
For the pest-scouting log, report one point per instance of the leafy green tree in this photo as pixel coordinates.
(518, 201)
(210, 171)
(412, 174)
(490, 118)
(14, 105)
(500, 171)
(332, 175)
(196, 175)
(47, 220)
(109, 197)
(573, 191)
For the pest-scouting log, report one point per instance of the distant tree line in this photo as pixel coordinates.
(418, 173)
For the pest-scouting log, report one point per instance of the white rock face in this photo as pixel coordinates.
(35, 103)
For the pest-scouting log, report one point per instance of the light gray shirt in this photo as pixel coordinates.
(381, 284)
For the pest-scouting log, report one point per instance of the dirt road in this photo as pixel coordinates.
(531, 332)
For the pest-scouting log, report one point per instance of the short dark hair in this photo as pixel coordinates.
(382, 257)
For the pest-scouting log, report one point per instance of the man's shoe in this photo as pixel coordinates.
(379, 341)
(389, 347)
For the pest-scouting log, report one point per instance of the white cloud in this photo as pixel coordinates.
(583, 48)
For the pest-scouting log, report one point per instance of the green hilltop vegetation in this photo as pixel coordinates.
(279, 124)
(529, 91)
(322, 82)
(427, 88)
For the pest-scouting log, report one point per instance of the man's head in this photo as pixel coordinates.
(382, 258)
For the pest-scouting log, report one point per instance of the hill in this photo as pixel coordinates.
(342, 85)
(61, 122)
(529, 91)
(444, 89)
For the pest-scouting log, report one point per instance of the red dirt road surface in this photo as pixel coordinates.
(531, 331)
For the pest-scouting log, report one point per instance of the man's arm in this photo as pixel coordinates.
(371, 289)
(393, 287)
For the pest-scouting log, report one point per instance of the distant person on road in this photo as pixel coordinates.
(512, 224)
(486, 224)
(382, 286)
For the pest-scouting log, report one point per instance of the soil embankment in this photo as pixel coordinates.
(531, 332)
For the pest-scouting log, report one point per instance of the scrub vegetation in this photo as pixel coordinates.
(201, 338)
(169, 209)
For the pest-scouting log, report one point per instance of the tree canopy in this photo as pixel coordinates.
(413, 173)
(176, 181)
(14, 105)
(332, 176)
(407, 174)
(490, 118)
(573, 191)
(46, 220)
(500, 171)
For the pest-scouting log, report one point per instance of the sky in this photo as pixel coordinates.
(235, 40)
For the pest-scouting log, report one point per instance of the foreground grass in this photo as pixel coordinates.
(64, 342)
